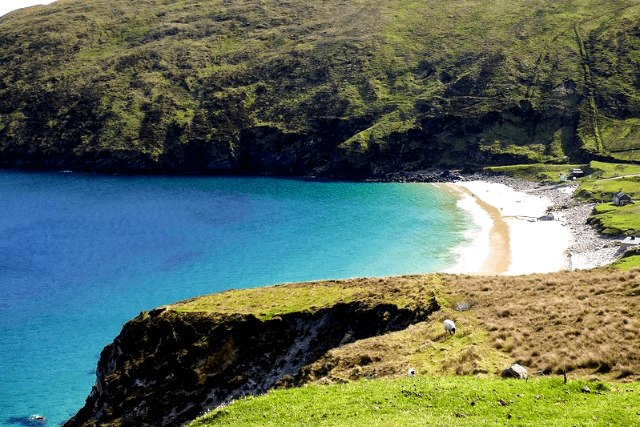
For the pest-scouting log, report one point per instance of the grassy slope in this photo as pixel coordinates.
(616, 221)
(547, 322)
(183, 82)
(585, 322)
(628, 263)
(608, 179)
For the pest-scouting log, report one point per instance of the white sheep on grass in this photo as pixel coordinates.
(449, 326)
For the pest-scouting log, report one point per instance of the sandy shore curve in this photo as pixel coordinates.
(499, 256)
(516, 235)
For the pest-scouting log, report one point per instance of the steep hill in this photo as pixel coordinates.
(331, 88)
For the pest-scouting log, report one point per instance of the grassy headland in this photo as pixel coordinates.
(584, 322)
(330, 88)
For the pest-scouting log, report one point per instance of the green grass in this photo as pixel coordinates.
(606, 180)
(626, 264)
(266, 302)
(613, 170)
(540, 172)
(421, 401)
(604, 189)
(615, 220)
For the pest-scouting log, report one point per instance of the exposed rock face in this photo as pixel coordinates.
(166, 368)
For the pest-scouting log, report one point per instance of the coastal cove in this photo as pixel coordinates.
(82, 254)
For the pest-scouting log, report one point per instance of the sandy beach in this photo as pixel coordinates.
(522, 228)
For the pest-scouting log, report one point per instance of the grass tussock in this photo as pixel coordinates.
(584, 321)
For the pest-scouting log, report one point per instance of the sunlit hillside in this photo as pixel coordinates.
(330, 88)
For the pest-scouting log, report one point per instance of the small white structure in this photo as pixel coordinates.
(449, 326)
(411, 372)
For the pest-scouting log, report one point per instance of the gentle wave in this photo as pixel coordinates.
(473, 252)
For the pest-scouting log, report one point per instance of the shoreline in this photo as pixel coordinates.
(493, 235)
(526, 228)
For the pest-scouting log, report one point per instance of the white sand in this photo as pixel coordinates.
(472, 255)
(536, 246)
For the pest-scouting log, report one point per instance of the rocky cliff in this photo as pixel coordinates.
(330, 88)
(168, 366)
(171, 364)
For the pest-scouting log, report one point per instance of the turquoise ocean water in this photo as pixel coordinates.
(81, 254)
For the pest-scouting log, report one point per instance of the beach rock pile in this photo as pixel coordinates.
(588, 249)
(427, 175)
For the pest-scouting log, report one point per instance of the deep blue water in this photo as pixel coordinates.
(81, 254)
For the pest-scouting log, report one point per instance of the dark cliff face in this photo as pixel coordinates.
(332, 89)
(167, 368)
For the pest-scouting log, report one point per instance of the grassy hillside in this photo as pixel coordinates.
(583, 322)
(329, 88)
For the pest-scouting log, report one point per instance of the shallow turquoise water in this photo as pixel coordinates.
(82, 254)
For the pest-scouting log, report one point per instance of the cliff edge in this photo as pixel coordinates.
(171, 364)
(174, 363)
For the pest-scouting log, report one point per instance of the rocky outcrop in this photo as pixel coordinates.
(166, 368)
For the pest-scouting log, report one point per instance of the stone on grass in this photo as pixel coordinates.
(515, 371)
